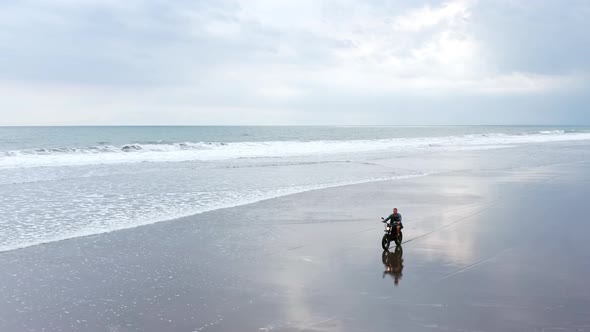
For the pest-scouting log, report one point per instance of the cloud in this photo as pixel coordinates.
(548, 37)
(454, 13)
(280, 59)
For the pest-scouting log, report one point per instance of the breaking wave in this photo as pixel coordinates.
(162, 151)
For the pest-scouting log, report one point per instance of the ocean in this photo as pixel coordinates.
(58, 183)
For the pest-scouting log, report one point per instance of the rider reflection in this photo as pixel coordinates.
(394, 263)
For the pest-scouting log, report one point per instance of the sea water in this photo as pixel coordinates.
(63, 182)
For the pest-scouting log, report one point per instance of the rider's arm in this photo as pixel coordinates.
(388, 218)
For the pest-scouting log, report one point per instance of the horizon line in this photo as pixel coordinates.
(295, 125)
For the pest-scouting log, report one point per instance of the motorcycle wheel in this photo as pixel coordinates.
(385, 242)
(398, 239)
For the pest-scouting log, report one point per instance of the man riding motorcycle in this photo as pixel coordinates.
(396, 220)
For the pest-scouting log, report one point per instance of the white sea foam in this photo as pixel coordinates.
(38, 235)
(202, 151)
(552, 132)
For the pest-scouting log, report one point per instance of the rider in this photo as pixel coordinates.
(396, 219)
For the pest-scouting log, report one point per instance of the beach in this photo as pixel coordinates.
(502, 247)
(230, 166)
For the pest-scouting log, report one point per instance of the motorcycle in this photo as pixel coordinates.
(391, 233)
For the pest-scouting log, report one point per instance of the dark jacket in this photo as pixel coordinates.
(395, 218)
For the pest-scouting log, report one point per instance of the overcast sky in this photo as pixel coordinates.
(67, 62)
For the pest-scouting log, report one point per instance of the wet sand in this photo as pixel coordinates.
(484, 251)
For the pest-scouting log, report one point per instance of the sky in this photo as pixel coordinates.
(303, 62)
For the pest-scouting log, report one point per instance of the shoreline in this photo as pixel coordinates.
(212, 209)
(64, 216)
(294, 191)
(320, 187)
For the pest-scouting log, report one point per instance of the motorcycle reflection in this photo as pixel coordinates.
(394, 263)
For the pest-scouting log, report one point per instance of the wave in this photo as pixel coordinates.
(549, 132)
(254, 197)
(162, 151)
